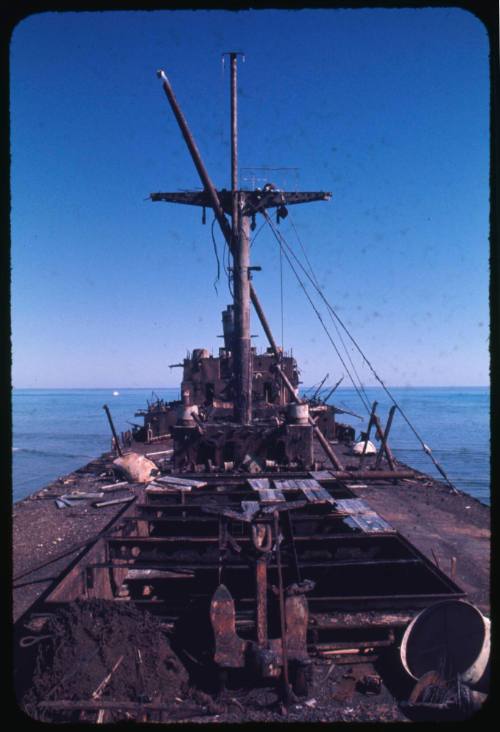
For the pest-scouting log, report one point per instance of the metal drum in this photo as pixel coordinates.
(298, 413)
(452, 638)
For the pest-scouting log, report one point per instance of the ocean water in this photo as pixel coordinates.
(58, 430)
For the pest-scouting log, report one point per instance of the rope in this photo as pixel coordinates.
(216, 256)
(225, 253)
(257, 234)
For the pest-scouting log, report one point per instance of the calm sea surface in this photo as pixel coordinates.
(58, 430)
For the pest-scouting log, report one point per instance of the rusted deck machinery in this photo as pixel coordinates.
(255, 558)
(260, 574)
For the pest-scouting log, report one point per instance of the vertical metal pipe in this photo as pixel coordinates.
(234, 138)
(281, 591)
(242, 342)
(241, 259)
(261, 596)
(233, 94)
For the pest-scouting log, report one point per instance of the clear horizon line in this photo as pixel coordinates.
(305, 386)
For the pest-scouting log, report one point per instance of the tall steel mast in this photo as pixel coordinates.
(242, 357)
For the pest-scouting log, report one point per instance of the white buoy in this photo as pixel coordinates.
(116, 393)
(370, 448)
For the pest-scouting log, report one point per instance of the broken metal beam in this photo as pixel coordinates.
(384, 446)
(371, 474)
(213, 197)
(385, 436)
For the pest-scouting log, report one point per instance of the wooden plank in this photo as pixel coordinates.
(296, 484)
(114, 486)
(116, 501)
(176, 481)
(322, 474)
(310, 494)
(369, 523)
(352, 505)
(271, 495)
(323, 496)
(313, 491)
(80, 496)
(257, 483)
(152, 574)
(266, 494)
(155, 488)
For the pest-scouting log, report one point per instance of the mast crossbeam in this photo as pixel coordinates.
(254, 201)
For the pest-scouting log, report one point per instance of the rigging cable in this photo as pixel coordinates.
(318, 314)
(217, 257)
(226, 265)
(425, 447)
(362, 388)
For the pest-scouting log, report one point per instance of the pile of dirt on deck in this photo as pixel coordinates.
(89, 640)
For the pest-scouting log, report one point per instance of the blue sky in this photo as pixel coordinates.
(388, 109)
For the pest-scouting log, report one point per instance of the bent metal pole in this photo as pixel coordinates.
(115, 436)
(212, 194)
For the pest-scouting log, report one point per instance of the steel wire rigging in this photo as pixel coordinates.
(279, 237)
(287, 250)
(360, 384)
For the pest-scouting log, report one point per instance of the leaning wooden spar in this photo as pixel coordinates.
(244, 535)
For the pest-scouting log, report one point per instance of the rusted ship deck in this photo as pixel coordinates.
(164, 548)
(441, 524)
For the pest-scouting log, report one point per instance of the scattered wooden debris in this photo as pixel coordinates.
(174, 480)
(116, 501)
(313, 491)
(80, 496)
(155, 487)
(98, 691)
(114, 486)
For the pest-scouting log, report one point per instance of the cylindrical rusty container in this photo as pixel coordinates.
(298, 413)
(228, 327)
(185, 414)
(452, 638)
